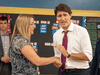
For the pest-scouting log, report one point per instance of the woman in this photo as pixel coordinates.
(23, 57)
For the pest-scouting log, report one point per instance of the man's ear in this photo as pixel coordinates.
(7, 23)
(70, 16)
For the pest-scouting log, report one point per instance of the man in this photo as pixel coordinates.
(5, 63)
(95, 68)
(71, 44)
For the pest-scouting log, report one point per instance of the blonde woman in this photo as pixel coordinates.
(23, 57)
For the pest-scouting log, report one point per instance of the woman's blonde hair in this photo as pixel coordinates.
(21, 27)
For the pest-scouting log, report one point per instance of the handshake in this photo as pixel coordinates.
(57, 62)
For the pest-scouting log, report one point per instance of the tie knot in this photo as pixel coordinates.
(65, 32)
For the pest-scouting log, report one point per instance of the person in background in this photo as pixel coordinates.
(95, 68)
(71, 44)
(23, 57)
(5, 63)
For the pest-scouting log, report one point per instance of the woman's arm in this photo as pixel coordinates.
(32, 56)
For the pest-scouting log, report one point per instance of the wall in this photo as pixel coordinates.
(50, 4)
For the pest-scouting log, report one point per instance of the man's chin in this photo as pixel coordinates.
(3, 29)
(63, 25)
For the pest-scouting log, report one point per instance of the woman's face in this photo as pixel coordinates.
(32, 26)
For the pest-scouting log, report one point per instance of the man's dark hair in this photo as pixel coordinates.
(4, 18)
(62, 7)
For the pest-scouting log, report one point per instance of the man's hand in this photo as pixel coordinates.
(63, 50)
(58, 62)
(5, 59)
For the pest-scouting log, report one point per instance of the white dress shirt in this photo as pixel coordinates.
(78, 42)
(5, 43)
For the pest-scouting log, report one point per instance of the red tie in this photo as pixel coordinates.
(63, 58)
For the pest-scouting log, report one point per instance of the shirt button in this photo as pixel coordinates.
(5, 47)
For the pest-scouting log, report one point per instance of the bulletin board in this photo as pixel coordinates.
(46, 26)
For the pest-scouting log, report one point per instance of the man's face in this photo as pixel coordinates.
(3, 25)
(64, 19)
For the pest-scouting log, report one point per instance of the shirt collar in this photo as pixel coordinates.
(70, 28)
(5, 34)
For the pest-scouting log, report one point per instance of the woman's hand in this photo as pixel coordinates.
(63, 50)
(57, 62)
